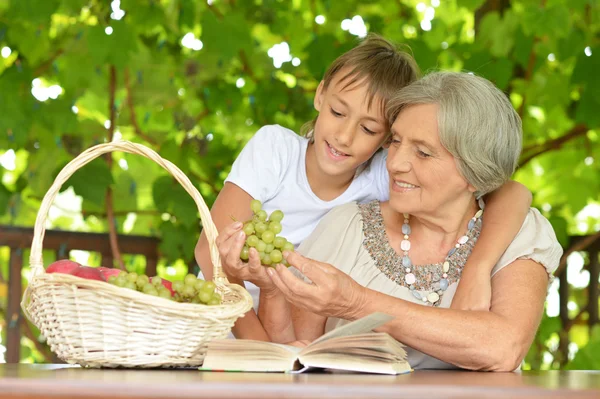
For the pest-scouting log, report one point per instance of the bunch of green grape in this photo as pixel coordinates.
(191, 289)
(261, 233)
(196, 290)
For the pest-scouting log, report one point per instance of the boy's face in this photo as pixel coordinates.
(347, 131)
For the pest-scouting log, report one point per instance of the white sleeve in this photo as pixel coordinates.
(259, 168)
(536, 241)
(382, 178)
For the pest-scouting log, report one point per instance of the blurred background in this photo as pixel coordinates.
(194, 79)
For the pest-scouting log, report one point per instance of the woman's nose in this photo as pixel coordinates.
(398, 161)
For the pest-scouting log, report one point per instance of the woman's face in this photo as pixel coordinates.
(424, 178)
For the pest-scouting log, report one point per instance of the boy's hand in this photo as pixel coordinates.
(230, 243)
(474, 291)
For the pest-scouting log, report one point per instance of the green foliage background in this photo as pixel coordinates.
(187, 105)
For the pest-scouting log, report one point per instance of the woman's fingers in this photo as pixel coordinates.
(295, 285)
(315, 271)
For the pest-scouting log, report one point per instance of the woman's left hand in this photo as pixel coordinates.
(331, 294)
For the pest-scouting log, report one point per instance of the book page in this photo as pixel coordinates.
(248, 355)
(360, 326)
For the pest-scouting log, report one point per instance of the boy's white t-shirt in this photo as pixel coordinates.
(272, 169)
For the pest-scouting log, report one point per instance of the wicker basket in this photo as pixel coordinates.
(96, 324)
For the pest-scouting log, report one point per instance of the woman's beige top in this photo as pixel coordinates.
(352, 238)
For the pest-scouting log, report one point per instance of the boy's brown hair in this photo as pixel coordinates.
(385, 68)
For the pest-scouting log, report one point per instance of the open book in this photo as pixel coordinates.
(353, 347)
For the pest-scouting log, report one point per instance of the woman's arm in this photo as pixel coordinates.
(505, 211)
(497, 340)
(232, 201)
(479, 340)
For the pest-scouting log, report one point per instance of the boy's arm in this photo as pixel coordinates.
(232, 201)
(505, 211)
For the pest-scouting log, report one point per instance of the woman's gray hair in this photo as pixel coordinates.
(477, 124)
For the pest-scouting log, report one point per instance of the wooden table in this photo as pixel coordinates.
(67, 382)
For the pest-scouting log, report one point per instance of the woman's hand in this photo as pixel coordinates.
(331, 294)
(474, 291)
(230, 243)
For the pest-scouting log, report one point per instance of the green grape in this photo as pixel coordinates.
(209, 286)
(252, 241)
(214, 300)
(275, 227)
(261, 255)
(288, 247)
(217, 297)
(268, 236)
(199, 284)
(148, 287)
(260, 227)
(153, 292)
(156, 281)
(130, 285)
(204, 296)
(267, 260)
(255, 205)
(285, 263)
(261, 246)
(269, 248)
(279, 242)
(276, 256)
(141, 281)
(131, 276)
(121, 280)
(196, 300)
(244, 255)
(164, 293)
(188, 291)
(190, 279)
(177, 297)
(276, 216)
(112, 279)
(178, 286)
(248, 229)
(262, 215)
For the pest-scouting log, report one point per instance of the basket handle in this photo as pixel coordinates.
(36, 259)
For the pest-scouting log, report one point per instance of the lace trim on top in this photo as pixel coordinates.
(390, 262)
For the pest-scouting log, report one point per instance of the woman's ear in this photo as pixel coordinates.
(471, 188)
(318, 101)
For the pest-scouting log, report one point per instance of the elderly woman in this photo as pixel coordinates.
(455, 138)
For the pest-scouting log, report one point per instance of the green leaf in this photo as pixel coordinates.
(91, 181)
(169, 196)
(471, 5)
(497, 34)
(5, 195)
(227, 36)
(559, 224)
(38, 12)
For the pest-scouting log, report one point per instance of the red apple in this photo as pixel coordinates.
(108, 271)
(90, 273)
(64, 266)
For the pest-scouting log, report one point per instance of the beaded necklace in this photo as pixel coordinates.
(433, 297)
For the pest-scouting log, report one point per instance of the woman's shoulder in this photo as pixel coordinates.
(335, 227)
